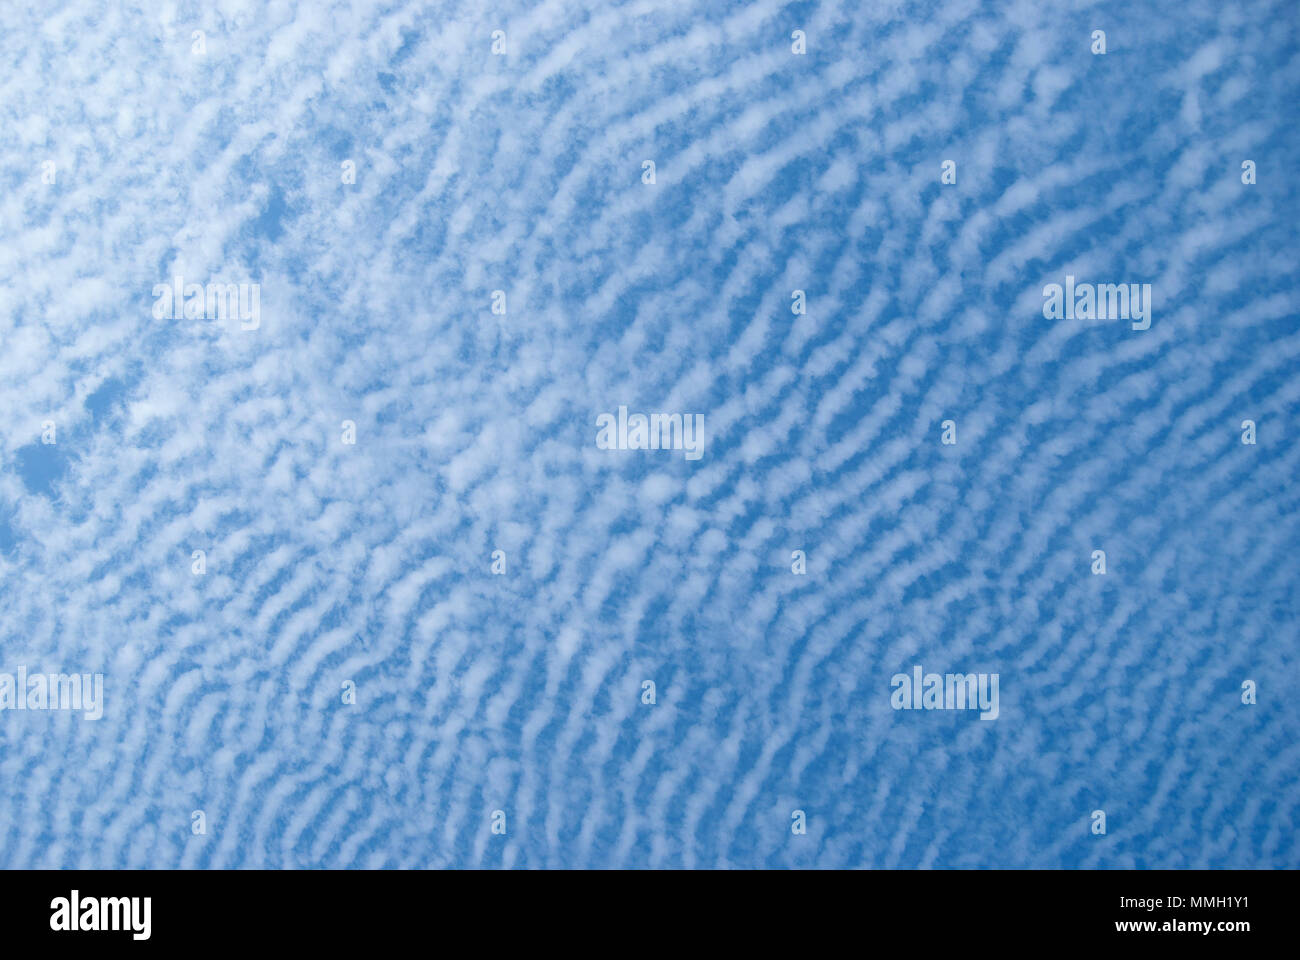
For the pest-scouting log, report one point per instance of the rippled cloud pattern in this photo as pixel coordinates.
(461, 252)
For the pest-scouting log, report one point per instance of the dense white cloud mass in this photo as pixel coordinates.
(135, 151)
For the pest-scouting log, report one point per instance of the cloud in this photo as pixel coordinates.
(371, 562)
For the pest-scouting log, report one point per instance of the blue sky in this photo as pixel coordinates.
(371, 563)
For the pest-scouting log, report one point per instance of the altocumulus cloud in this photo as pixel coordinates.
(354, 653)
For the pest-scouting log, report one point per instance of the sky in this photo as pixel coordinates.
(313, 655)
